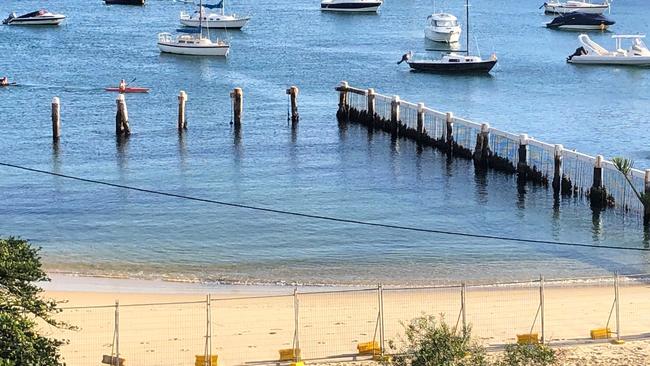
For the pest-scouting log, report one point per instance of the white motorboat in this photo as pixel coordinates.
(557, 7)
(592, 53)
(442, 27)
(210, 19)
(40, 17)
(351, 5)
(193, 44)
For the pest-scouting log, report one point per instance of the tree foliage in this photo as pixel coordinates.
(22, 308)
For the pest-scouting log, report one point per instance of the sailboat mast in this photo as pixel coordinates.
(467, 24)
(200, 18)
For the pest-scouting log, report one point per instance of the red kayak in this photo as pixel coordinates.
(129, 89)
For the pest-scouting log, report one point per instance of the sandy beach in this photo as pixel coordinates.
(167, 328)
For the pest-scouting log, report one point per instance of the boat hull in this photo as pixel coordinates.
(442, 37)
(128, 90)
(220, 24)
(452, 68)
(581, 27)
(351, 6)
(124, 2)
(552, 9)
(641, 61)
(37, 21)
(194, 50)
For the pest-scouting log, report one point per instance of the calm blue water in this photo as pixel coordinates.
(318, 168)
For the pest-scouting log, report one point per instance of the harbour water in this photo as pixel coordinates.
(318, 168)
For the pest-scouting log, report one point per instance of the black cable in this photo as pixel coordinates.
(326, 218)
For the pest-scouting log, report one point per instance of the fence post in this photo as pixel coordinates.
(296, 335)
(371, 107)
(56, 118)
(541, 307)
(420, 124)
(481, 150)
(522, 164)
(450, 132)
(394, 115)
(182, 122)
(557, 171)
(598, 193)
(342, 113)
(463, 303)
(207, 361)
(618, 313)
(117, 333)
(381, 320)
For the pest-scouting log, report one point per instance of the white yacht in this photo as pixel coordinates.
(40, 17)
(210, 19)
(351, 5)
(557, 7)
(592, 53)
(442, 27)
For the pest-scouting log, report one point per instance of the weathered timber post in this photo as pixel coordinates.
(420, 124)
(342, 113)
(122, 117)
(522, 164)
(450, 133)
(481, 150)
(646, 205)
(371, 96)
(598, 193)
(394, 115)
(237, 96)
(56, 118)
(557, 171)
(293, 94)
(182, 122)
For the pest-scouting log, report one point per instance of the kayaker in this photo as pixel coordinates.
(122, 87)
(4, 81)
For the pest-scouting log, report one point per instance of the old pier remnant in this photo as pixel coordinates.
(56, 118)
(122, 117)
(569, 173)
(292, 92)
(182, 121)
(237, 96)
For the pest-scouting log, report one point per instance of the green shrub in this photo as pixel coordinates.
(528, 355)
(428, 342)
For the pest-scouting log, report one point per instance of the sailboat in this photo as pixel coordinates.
(453, 62)
(213, 20)
(192, 44)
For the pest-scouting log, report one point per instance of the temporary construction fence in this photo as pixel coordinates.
(570, 173)
(352, 324)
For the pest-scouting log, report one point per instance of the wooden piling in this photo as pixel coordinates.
(122, 117)
(370, 94)
(56, 118)
(646, 216)
(342, 113)
(293, 94)
(420, 123)
(237, 96)
(597, 192)
(450, 133)
(481, 150)
(394, 115)
(182, 122)
(522, 163)
(557, 171)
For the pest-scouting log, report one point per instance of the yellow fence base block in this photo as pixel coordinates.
(369, 348)
(289, 354)
(600, 333)
(529, 338)
(297, 363)
(200, 360)
(617, 341)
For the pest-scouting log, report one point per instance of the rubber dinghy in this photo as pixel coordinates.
(591, 53)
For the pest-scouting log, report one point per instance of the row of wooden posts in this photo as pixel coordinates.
(481, 154)
(122, 115)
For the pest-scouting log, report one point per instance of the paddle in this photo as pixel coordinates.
(134, 79)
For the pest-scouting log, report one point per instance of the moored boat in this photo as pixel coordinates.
(442, 27)
(452, 63)
(557, 7)
(591, 53)
(580, 21)
(209, 19)
(40, 17)
(351, 5)
(192, 45)
(124, 2)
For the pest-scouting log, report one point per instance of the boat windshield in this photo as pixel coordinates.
(446, 23)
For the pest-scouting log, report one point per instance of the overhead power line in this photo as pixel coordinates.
(323, 217)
